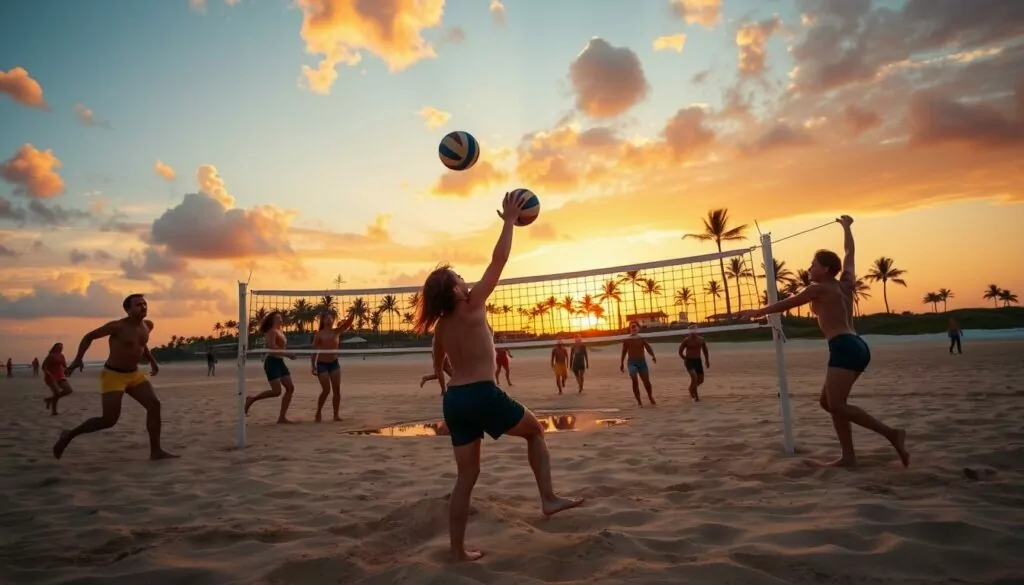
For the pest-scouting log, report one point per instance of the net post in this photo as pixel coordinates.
(243, 343)
(780, 356)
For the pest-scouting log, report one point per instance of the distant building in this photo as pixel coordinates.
(656, 319)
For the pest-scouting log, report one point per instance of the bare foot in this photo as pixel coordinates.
(61, 444)
(248, 403)
(652, 401)
(900, 444)
(552, 507)
(844, 462)
(284, 421)
(422, 382)
(161, 454)
(337, 418)
(468, 556)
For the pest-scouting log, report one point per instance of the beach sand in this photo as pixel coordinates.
(683, 493)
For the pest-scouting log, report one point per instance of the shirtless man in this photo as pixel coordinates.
(473, 402)
(579, 361)
(831, 299)
(560, 364)
(953, 330)
(690, 349)
(211, 363)
(274, 367)
(634, 347)
(501, 357)
(326, 366)
(129, 339)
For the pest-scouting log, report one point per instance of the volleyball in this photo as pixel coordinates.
(459, 150)
(530, 210)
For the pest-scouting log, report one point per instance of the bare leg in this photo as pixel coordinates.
(467, 460)
(275, 390)
(540, 462)
(51, 401)
(838, 383)
(507, 374)
(646, 378)
(579, 380)
(325, 390)
(65, 390)
(336, 393)
(558, 382)
(286, 399)
(693, 386)
(144, 395)
(636, 389)
(111, 411)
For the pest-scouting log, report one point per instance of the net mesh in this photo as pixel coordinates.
(663, 297)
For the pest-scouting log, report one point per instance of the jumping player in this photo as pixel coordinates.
(274, 367)
(831, 299)
(129, 339)
(560, 364)
(690, 349)
(501, 358)
(634, 347)
(54, 377)
(326, 367)
(579, 361)
(473, 403)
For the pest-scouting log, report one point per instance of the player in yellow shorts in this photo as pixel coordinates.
(129, 339)
(560, 364)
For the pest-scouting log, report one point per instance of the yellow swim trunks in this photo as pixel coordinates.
(560, 369)
(114, 381)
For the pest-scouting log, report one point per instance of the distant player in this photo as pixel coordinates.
(129, 342)
(831, 299)
(560, 364)
(35, 367)
(211, 363)
(474, 405)
(326, 366)
(579, 361)
(501, 358)
(634, 347)
(954, 332)
(690, 350)
(54, 377)
(274, 367)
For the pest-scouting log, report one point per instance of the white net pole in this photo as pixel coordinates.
(243, 342)
(780, 356)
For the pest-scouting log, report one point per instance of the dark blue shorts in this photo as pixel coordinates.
(694, 365)
(848, 352)
(327, 367)
(470, 410)
(637, 366)
(275, 368)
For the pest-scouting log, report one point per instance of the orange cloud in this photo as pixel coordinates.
(165, 171)
(86, 117)
(498, 11)
(211, 183)
(464, 183)
(670, 43)
(751, 39)
(339, 29)
(433, 117)
(859, 119)
(33, 172)
(607, 80)
(935, 120)
(20, 87)
(704, 12)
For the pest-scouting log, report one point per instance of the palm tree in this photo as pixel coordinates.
(1007, 297)
(791, 289)
(590, 307)
(524, 313)
(933, 299)
(568, 304)
(327, 306)
(550, 304)
(861, 290)
(684, 297)
(302, 313)
(993, 293)
(375, 321)
(715, 291)
(540, 309)
(408, 318)
(783, 275)
(884, 270)
(610, 292)
(412, 302)
(717, 230)
(218, 328)
(737, 270)
(945, 294)
(650, 288)
(231, 326)
(632, 277)
(338, 281)
(389, 305)
(360, 311)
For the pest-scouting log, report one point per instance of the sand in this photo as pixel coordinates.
(683, 493)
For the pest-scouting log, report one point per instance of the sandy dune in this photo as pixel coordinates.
(683, 493)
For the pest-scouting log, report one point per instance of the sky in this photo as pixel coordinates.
(174, 148)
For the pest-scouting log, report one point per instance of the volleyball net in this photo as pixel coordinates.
(667, 298)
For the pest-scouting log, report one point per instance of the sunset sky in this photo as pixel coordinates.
(171, 147)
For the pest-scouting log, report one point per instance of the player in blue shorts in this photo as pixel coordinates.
(831, 298)
(473, 402)
(274, 367)
(634, 347)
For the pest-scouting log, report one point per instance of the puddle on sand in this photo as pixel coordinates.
(553, 422)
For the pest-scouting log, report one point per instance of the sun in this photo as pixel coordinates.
(585, 322)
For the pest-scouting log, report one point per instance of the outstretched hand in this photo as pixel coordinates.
(511, 205)
(844, 220)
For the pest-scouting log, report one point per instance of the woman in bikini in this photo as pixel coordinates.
(325, 366)
(274, 366)
(53, 375)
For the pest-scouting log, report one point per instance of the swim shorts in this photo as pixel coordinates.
(327, 367)
(470, 410)
(694, 365)
(112, 380)
(275, 368)
(560, 369)
(848, 352)
(637, 366)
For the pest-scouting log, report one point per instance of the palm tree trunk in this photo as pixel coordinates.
(945, 307)
(885, 296)
(739, 295)
(725, 283)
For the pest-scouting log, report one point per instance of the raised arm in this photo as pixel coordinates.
(483, 289)
(849, 268)
(344, 325)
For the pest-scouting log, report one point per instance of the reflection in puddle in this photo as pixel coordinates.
(553, 423)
